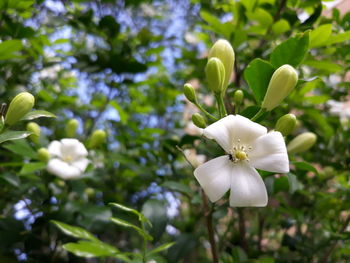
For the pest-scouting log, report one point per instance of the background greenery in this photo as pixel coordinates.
(120, 66)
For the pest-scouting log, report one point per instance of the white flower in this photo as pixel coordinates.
(68, 158)
(342, 109)
(248, 146)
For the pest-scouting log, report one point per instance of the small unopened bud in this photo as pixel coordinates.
(19, 106)
(286, 124)
(90, 192)
(302, 142)
(190, 93)
(71, 127)
(97, 138)
(281, 84)
(238, 97)
(43, 155)
(215, 72)
(35, 130)
(223, 50)
(198, 120)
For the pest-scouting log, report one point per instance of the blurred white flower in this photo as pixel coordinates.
(68, 158)
(341, 109)
(248, 146)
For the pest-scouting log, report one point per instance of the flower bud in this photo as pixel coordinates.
(223, 50)
(286, 124)
(281, 84)
(35, 130)
(97, 138)
(43, 155)
(71, 127)
(189, 92)
(198, 120)
(215, 72)
(90, 192)
(238, 97)
(19, 106)
(302, 142)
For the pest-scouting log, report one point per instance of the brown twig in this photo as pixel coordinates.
(242, 229)
(210, 228)
(208, 215)
(328, 253)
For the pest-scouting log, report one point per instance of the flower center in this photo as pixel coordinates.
(239, 152)
(68, 158)
(241, 155)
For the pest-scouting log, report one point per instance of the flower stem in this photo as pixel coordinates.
(221, 105)
(204, 111)
(144, 247)
(258, 114)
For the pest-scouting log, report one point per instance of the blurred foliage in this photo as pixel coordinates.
(120, 66)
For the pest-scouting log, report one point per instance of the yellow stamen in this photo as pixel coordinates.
(240, 155)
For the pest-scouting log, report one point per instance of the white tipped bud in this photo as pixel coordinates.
(302, 142)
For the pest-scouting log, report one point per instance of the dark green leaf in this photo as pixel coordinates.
(28, 168)
(38, 114)
(291, 51)
(13, 135)
(258, 74)
(74, 231)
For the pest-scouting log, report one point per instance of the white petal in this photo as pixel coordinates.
(269, 153)
(214, 177)
(246, 130)
(63, 169)
(81, 164)
(221, 131)
(73, 148)
(247, 187)
(54, 148)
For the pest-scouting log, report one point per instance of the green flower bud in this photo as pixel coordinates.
(19, 106)
(97, 138)
(286, 124)
(238, 97)
(35, 129)
(71, 127)
(302, 142)
(215, 72)
(223, 50)
(190, 93)
(90, 192)
(281, 84)
(198, 120)
(43, 155)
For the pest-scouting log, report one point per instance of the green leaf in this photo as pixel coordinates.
(13, 135)
(324, 65)
(123, 115)
(320, 35)
(294, 184)
(305, 166)
(74, 231)
(38, 114)
(281, 184)
(291, 51)
(338, 38)
(21, 147)
(280, 27)
(124, 223)
(88, 249)
(161, 248)
(9, 47)
(216, 25)
(156, 211)
(28, 168)
(141, 217)
(258, 74)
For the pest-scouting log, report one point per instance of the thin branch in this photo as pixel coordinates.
(242, 229)
(207, 214)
